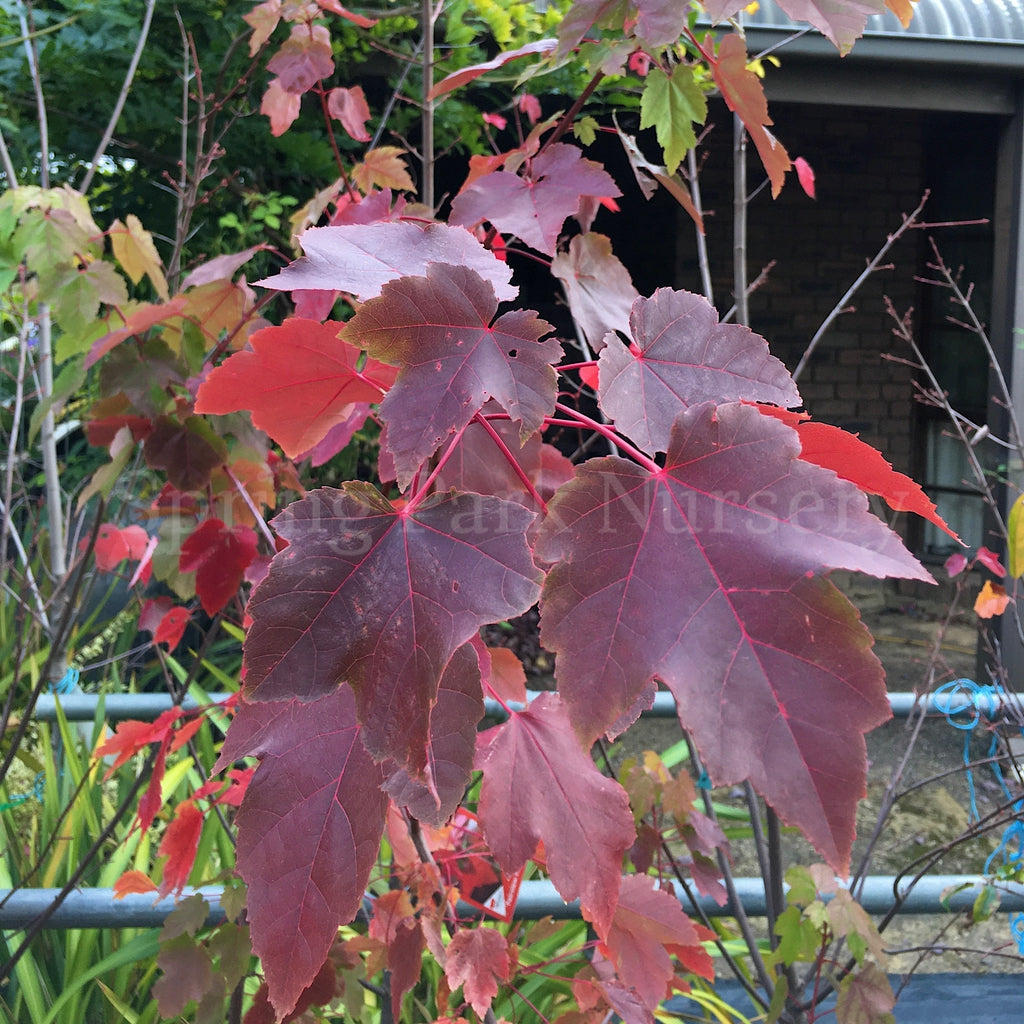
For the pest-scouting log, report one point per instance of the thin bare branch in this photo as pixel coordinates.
(140, 45)
(873, 265)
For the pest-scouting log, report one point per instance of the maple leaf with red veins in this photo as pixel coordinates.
(540, 786)
(437, 329)
(362, 258)
(648, 926)
(533, 207)
(299, 381)
(304, 58)
(453, 726)
(477, 464)
(309, 831)
(383, 598)
(683, 356)
(219, 556)
(770, 666)
(744, 95)
(477, 959)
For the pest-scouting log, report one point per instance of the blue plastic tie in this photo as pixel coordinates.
(964, 702)
(965, 697)
(1017, 930)
(68, 682)
(704, 782)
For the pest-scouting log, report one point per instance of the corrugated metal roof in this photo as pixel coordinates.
(988, 21)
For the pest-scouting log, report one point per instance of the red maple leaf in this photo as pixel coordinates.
(855, 460)
(504, 675)
(395, 924)
(453, 725)
(354, 597)
(309, 830)
(179, 845)
(477, 959)
(534, 206)
(682, 356)
(319, 992)
(218, 555)
(770, 666)
(137, 323)
(165, 620)
(437, 329)
(281, 106)
(115, 544)
(648, 927)
(299, 381)
(540, 786)
(658, 22)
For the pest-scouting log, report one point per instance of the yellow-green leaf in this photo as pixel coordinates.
(672, 104)
(1015, 538)
(134, 249)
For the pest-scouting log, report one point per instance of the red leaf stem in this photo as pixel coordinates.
(512, 461)
(605, 431)
(420, 493)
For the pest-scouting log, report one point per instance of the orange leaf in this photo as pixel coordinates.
(133, 882)
(507, 677)
(992, 600)
(744, 95)
(385, 168)
(131, 737)
(903, 9)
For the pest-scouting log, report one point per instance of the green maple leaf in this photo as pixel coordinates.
(672, 104)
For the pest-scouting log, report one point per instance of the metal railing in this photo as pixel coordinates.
(98, 908)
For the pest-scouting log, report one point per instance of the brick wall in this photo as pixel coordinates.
(870, 167)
